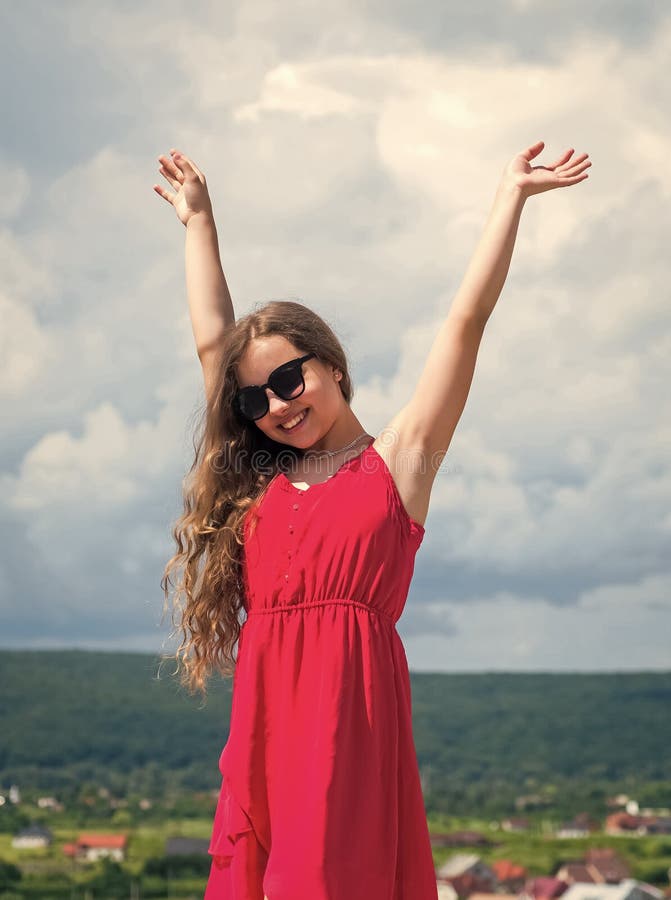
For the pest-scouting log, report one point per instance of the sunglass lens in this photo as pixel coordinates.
(253, 404)
(288, 383)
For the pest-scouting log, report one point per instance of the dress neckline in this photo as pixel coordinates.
(290, 486)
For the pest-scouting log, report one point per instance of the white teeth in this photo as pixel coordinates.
(294, 421)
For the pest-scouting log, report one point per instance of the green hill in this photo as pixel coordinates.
(74, 716)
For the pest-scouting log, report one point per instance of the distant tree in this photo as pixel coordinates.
(655, 873)
(13, 819)
(112, 881)
(122, 818)
(10, 875)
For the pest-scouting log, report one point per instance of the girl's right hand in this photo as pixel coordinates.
(191, 195)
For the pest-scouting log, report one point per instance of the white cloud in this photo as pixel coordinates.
(285, 89)
(16, 187)
(650, 593)
(96, 468)
(24, 277)
(25, 348)
(358, 178)
(616, 628)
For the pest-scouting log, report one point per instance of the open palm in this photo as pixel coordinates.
(191, 195)
(536, 179)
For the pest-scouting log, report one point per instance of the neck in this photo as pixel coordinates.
(354, 445)
(344, 430)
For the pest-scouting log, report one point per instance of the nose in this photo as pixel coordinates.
(276, 405)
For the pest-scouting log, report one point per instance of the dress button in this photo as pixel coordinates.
(288, 552)
(291, 528)
(286, 577)
(295, 505)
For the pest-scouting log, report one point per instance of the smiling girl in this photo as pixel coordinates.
(297, 516)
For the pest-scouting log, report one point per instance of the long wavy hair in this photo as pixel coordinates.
(233, 465)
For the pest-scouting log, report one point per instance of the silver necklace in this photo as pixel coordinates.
(319, 453)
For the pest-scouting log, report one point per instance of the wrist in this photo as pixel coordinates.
(510, 190)
(204, 219)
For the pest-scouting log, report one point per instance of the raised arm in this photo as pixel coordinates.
(210, 304)
(423, 429)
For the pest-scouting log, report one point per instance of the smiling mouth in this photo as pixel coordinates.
(296, 422)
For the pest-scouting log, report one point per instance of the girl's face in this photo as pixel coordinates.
(322, 399)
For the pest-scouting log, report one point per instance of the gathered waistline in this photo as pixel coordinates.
(344, 601)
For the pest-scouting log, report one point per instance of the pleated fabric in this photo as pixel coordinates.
(320, 794)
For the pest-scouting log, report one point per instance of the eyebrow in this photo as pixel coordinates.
(293, 359)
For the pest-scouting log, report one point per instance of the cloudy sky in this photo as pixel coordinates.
(352, 151)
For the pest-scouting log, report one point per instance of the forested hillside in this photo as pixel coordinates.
(73, 716)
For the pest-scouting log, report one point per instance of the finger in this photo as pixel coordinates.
(533, 150)
(182, 156)
(173, 182)
(575, 170)
(575, 180)
(569, 164)
(178, 162)
(163, 193)
(170, 166)
(562, 159)
(565, 182)
(189, 162)
(188, 167)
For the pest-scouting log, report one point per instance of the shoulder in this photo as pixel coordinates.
(411, 464)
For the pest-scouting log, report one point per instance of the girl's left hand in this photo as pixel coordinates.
(536, 179)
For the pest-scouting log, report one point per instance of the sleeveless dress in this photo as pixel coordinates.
(320, 795)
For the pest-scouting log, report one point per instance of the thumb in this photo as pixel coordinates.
(533, 150)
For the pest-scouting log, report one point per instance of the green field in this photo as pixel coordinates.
(103, 734)
(47, 874)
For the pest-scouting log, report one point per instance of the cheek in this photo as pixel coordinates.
(316, 392)
(321, 397)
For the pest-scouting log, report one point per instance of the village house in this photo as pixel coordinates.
(509, 875)
(629, 823)
(184, 846)
(581, 825)
(542, 887)
(479, 895)
(515, 824)
(446, 892)
(599, 865)
(605, 866)
(35, 835)
(49, 803)
(629, 889)
(92, 847)
(467, 873)
(658, 825)
(623, 823)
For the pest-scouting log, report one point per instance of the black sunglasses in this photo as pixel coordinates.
(286, 381)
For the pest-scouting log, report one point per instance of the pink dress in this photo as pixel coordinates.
(320, 795)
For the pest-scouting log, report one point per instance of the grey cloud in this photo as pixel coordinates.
(534, 30)
(114, 266)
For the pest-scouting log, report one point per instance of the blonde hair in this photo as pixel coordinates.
(222, 487)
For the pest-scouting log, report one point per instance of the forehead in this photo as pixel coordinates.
(262, 356)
